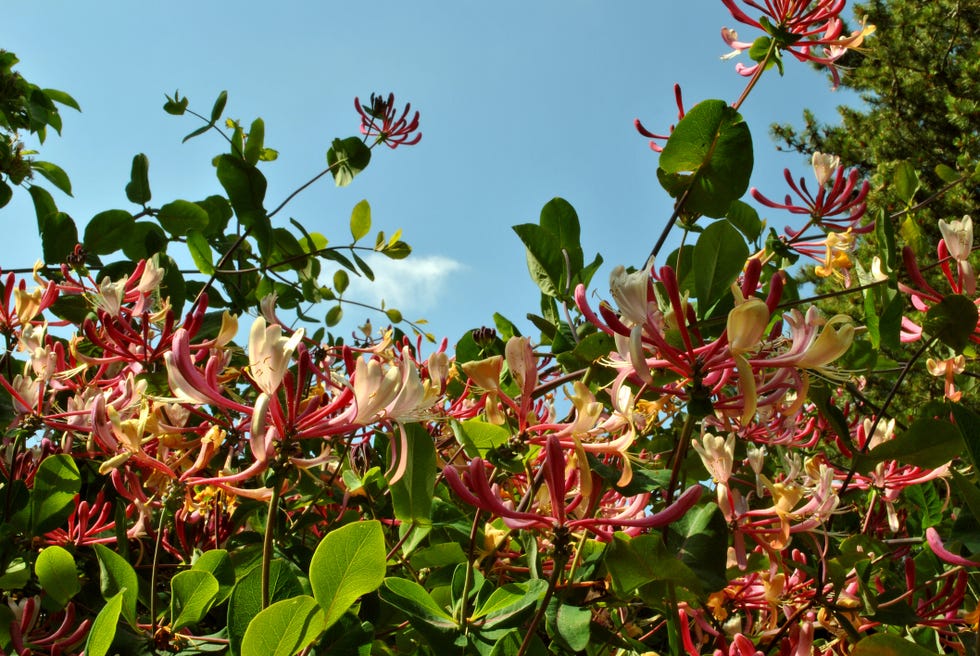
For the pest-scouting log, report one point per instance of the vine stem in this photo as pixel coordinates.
(158, 543)
(267, 543)
(561, 557)
(884, 406)
(680, 452)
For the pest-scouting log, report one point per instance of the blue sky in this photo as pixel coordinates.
(520, 102)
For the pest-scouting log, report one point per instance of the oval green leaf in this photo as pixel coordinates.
(108, 231)
(56, 572)
(283, 629)
(719, 256)
(953, 321)
(103, 630)
(138, 188)
(181, 216)
(117, 578)
(710, 154)
(360, 220)
(192, 592)
(348, 563)
(56, 483)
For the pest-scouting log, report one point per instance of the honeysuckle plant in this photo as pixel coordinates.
(694, 461)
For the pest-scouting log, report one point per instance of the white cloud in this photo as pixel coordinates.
(413, 285)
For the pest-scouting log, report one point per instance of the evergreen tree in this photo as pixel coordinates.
(919, 78)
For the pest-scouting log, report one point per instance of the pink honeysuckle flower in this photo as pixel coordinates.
(835, 209)
(947, 369)
(923, 295)
(612, 510)
(798, 27)
(269, 354)
(380, 120)
(654, 138)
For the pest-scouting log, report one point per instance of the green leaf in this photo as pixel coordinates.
(968, 422)
(44, 206)
(59, 237)
(968, 492)
(108, 232)
(245, 601)
(394, 316)
(745, 217)
(927, 443)
(146, 240)
(719, 256)
(176, 105)
(709, 153)
(218, 563)
(192, 592)
(479, 437)
(200, 250)
(700, 538)
(245, 186)
(16, 576)
(181, 216)
(219, 106)
(349, 562)
(334, 315)
(946, 173)
(360, 220)
(633, 563)
(255, 144)
(54, 173)
(138, 188)
(103, 630)
(953, 321)
(56, 483)
(340, 281)
(62, 98)
(173, 285)
(906, 181)
(413, 600)
(411, 496)
(574, 626)
(6, 193)
(118, 578)
(508, 603)
(885, 644)
(547, 246)
(285, 628)
(219, 213)
(56, 572)
(346, 158)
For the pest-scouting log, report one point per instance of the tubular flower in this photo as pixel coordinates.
(380, 120)
(797, 27)
(957, 243)
(835, 209)
(661, 137)
(269, 354)
(561, 481)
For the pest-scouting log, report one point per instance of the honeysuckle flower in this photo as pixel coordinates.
(936, 545)
(269, 353)
(474, 489)
(958, 236)
(747, 322)
(631, 291)
(656, 147)
(718, 455)
(947, 369)
(836, 208)
(824, 166)
(798, 27)
(957, 243)
(837, 260)
(380, 120)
